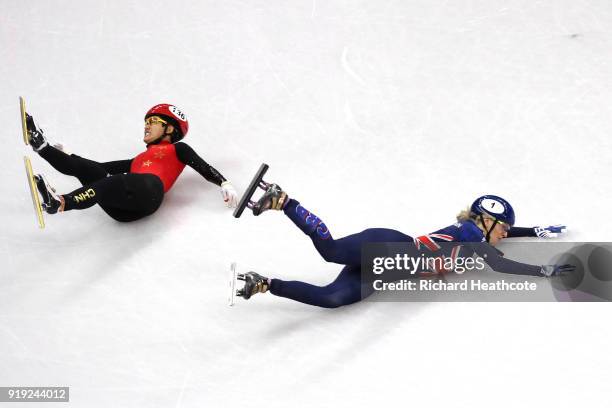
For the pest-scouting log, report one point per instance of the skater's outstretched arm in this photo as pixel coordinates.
(188, 156)
(551, 231)
(495, 259)
(517, 232)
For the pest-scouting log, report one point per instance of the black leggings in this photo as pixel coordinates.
(124, 197)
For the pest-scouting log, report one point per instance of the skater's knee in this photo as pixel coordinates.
(340, 298)
(331, 305)
(334, 303)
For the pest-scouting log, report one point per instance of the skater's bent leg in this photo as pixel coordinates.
(346, 289)
(87, 171)
(125, 197)
(306, 221)
(316, 229)
(345, 251)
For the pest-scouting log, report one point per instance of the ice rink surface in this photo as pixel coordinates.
(373, 114)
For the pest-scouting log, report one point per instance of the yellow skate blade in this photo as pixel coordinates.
(24, 128)
(34, 192)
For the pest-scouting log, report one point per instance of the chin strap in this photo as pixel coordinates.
(488, 236)
(159, 139)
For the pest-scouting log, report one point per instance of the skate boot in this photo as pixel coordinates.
(36, 138)
(51, 201)
(253, 283)
(273, 199)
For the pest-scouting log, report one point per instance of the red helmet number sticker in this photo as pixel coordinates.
(177, 112)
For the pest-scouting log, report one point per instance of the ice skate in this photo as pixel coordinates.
(273, 199)
(32, 135)
(33, 192)
(36, 138)
(253, 283)
(257, 181)
(51, 201)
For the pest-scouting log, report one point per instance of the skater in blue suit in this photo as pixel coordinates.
(488, 220)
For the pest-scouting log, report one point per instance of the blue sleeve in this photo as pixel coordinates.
(516, 232)
(498, 263)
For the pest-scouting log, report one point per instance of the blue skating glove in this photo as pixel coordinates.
(556, 270)
(551, 231)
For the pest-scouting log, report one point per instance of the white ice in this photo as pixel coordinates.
(372, 113)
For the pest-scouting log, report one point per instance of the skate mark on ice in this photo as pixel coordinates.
(17, 339)
(350, 120)
(349, 70)
(179, 401)
(278, 79)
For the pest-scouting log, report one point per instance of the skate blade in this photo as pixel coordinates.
(246, 197)
(24, 127)
(34, 192)
(232, 283)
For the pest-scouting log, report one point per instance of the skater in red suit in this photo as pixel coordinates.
(127, 190)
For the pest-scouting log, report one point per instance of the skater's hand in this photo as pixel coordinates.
(556, 270)
(552, 231)
(229, 194)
